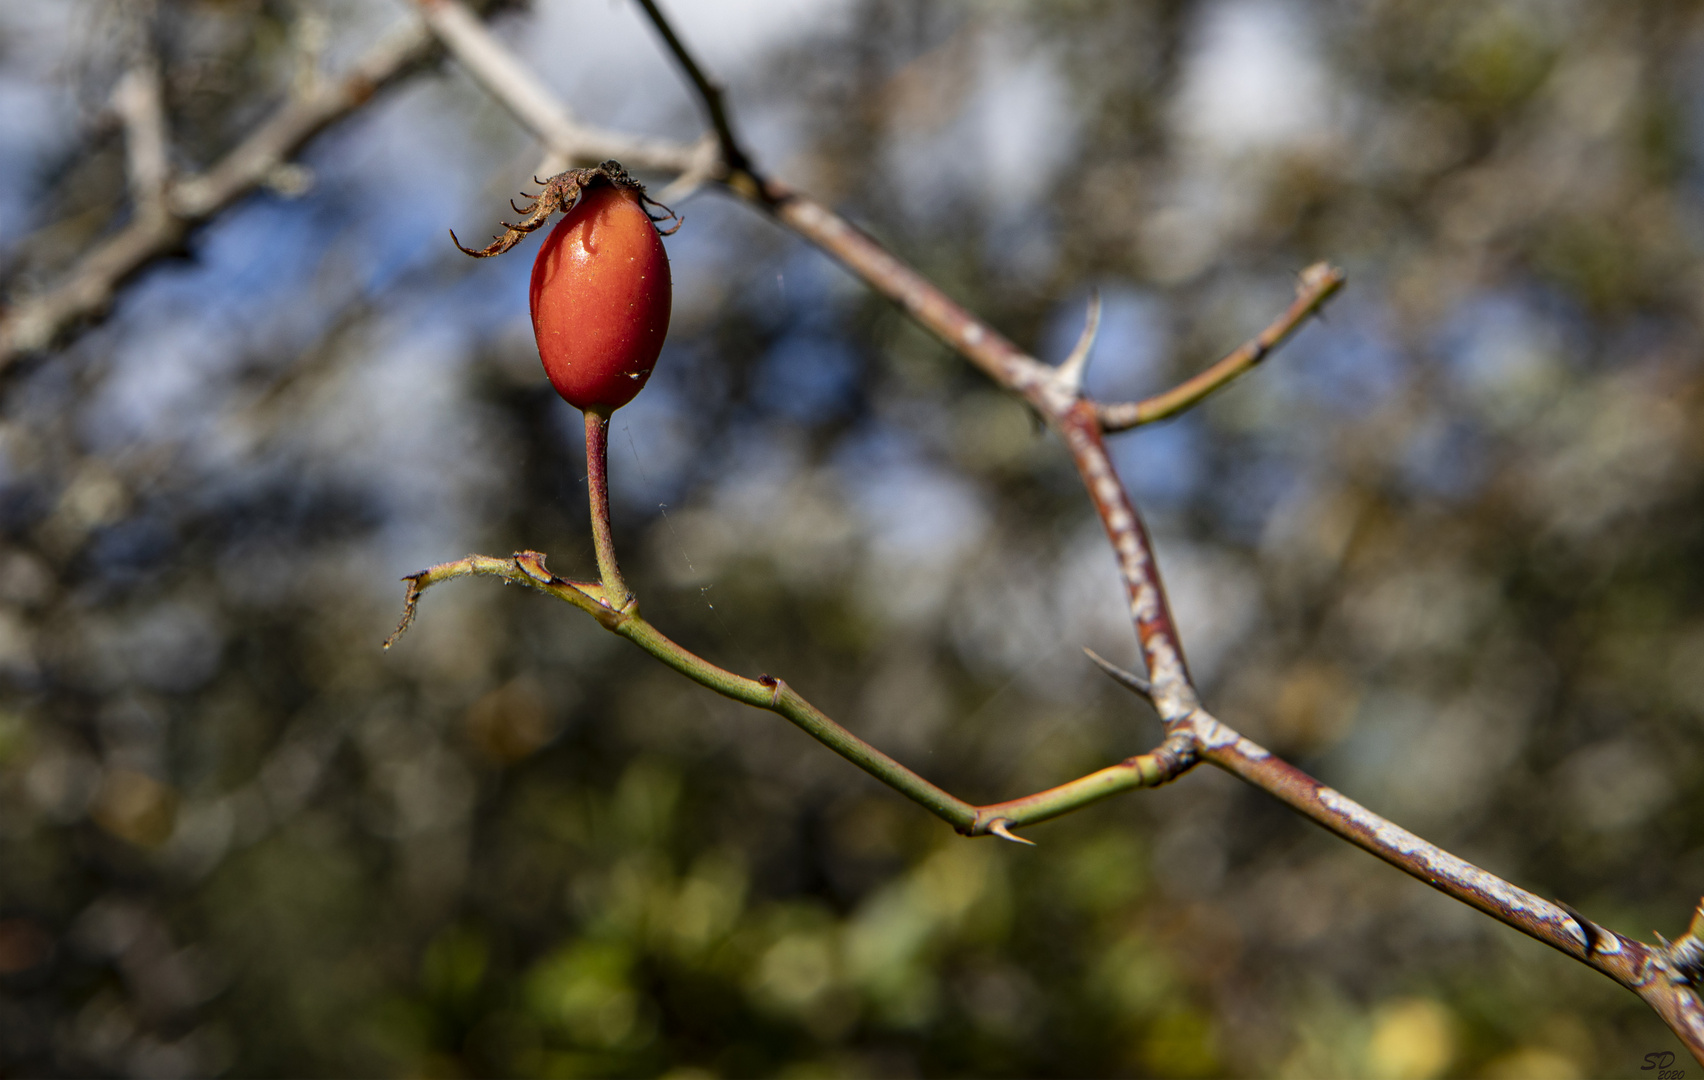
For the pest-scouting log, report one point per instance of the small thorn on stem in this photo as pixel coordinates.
(1000, 828)
(1591, 931)
(1685, 957)
(1070, 373)
(1136, 684)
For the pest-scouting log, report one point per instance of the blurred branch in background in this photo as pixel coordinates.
(164, 213)
(518, 90)
(138, 101)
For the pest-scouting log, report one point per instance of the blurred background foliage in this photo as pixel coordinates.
(1442, 551)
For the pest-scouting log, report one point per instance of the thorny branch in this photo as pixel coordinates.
(1663, 975)
(612, 606)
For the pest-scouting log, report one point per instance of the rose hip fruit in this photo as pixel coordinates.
(600, 311)
(600, 299)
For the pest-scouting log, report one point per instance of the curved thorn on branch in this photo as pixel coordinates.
(999, 828)
(1591, 931)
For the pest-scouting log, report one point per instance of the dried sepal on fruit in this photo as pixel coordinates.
(562, 192)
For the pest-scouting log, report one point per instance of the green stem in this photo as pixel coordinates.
(776, 696)
(616, 593)
(1174, 756)
(1164, 764)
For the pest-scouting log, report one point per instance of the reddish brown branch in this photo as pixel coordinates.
(733, 154)
(962, 332)
(1173, 693)
(1652, 973)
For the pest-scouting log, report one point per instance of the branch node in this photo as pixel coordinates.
(1318, 277)
(734, 158)
(706, 163)
(531, 563)
(290, 180)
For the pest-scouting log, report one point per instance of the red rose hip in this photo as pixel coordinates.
(600, 311)
(600, 299)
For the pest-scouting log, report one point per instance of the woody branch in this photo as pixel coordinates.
(1661, 975)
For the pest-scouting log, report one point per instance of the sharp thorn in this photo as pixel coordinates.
(1591, 931)
(999, 828)
(1070, 373)
(1136, 684)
